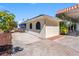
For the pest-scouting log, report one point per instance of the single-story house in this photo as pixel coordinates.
(45, 25)
(48, 26)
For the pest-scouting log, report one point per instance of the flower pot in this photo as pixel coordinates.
(5, 42)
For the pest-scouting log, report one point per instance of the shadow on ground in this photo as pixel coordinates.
(16, 49)
(75, 34)
(11, 50)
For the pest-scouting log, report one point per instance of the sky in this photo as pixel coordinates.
(29, 10)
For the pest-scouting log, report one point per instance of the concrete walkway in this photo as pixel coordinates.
(40, 47)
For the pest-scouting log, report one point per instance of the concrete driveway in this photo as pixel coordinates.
(19, 39)
(35, 46)
(70, 41)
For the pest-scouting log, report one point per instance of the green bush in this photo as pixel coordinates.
(63, 29)
(7, 22)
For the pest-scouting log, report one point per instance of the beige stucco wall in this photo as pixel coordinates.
(52, 31)
(43, 32)
(41, 20)
(49, 28)
(52, 28)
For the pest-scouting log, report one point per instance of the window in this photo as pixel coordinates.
(30, 25)
(38, 25)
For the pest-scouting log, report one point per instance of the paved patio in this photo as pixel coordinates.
(35, 46)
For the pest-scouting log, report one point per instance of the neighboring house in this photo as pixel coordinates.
(22, 26)
(71, 14)
(45, 25)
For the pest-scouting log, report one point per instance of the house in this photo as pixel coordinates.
(71, 14)
(46, 26)
(22, 26)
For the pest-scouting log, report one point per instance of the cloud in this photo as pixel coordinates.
(19, 22)
(2, 7)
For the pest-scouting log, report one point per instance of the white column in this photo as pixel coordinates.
(77, 26)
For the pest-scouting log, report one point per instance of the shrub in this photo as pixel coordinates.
(7, 22)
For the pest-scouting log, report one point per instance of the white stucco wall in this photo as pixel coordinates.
(52, 31)
(77, 26)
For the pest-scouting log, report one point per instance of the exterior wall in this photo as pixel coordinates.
(43, 32)
(77, 26)
(52, 28)
(49, 27)
(52, 31)
(41, 20)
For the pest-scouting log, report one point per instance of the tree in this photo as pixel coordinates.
(67, 24)
(7, 22)
(64, 25)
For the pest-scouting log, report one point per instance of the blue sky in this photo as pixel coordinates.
(29, 10)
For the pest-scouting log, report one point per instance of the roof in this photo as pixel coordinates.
(68, 9)
(72, 12)
(43, 15)
(36, 17)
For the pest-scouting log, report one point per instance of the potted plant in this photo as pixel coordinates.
(7, 23)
